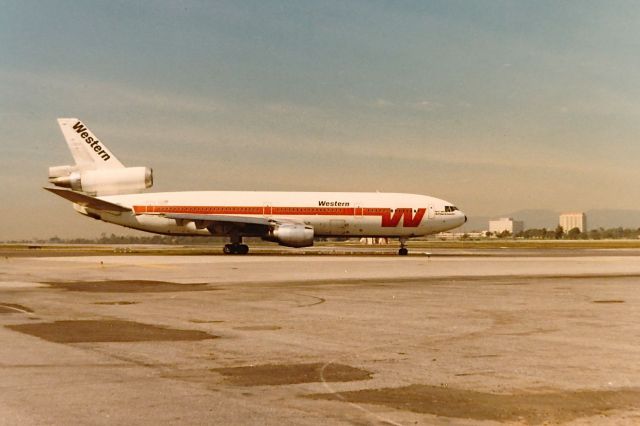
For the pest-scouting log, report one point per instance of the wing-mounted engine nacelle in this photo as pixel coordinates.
(102, 181)
(291, 235)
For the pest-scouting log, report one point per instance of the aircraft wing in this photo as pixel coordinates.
(211, 218)
(88, 201)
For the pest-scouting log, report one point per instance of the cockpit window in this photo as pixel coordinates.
(450, 208)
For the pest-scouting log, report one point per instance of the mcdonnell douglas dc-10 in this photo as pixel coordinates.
(101, 187)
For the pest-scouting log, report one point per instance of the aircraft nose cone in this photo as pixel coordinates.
(460, 218)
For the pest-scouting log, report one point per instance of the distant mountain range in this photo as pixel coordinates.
(538, 218)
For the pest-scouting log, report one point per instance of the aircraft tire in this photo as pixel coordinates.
(403, 251)
(235, 249)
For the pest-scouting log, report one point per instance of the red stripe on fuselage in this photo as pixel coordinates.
(409, 219)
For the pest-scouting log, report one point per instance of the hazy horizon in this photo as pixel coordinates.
(497, 106)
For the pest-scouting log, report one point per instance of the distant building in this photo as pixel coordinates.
(506, 224)
(568, 221)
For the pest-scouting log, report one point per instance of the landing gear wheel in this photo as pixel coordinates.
(403, 250)
(235, 249)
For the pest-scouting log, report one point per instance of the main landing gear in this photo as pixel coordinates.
(403, 250)
(235, 249)
(236, 246)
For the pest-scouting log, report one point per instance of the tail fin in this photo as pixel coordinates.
(88, 151)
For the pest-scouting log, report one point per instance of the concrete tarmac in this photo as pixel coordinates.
(540, 339)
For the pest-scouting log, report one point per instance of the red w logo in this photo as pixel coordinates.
(409, 220)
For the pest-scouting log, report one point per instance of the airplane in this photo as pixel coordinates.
(102, 188)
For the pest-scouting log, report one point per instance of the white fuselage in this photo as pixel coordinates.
(340, 214)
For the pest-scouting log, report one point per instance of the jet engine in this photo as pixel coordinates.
(102, 181)
(291, 235)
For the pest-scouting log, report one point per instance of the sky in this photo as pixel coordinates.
(493, 105)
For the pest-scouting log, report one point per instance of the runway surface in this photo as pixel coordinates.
(450, 338)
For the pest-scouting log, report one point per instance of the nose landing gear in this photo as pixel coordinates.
(403, 250)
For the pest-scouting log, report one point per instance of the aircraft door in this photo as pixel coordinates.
(357, 224)
(267, 210)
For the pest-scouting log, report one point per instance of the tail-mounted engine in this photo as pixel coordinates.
(102, 181)
(291, 235)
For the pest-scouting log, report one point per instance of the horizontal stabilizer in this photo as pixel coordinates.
(87, 201)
